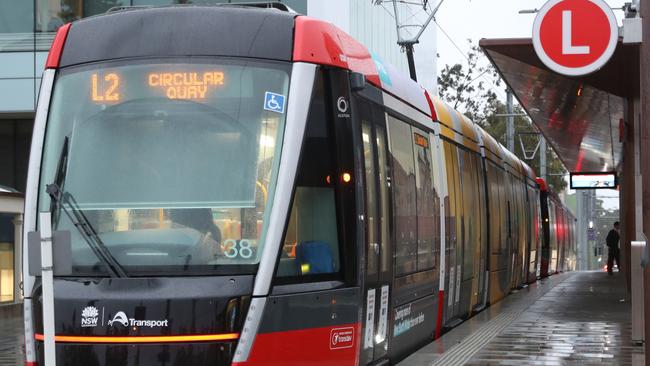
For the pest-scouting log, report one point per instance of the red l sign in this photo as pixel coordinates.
(575, 37)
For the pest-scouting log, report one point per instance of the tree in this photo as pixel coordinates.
(464, 88)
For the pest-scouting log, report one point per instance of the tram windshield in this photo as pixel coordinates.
(171, 166)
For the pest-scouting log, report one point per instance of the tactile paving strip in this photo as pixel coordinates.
(465, 349)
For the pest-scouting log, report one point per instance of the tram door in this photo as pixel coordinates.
(377, 286)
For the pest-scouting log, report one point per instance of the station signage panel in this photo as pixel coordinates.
(575, 37)
(599, 180)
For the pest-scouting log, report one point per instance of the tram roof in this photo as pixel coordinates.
(580, 116)
(491, 145)
(455, 125)
(180, 31)
(529, 172)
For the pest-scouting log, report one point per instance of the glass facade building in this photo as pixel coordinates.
(27, 29)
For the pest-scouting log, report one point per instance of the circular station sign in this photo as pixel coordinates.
(575, 37)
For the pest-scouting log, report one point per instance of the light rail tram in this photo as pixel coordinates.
(230, 185)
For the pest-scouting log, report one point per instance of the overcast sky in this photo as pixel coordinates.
(476, 19)
(460, 20)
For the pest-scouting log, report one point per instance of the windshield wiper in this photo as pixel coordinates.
(60, 198)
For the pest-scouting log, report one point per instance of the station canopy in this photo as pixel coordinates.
(581, 117)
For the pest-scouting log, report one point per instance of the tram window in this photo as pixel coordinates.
(436, 172)
(384, 191)
(469, 212)
(451, 213)
(473, 213)
(311, 242)
(524, 222)
(404, 195)
(171, 185)
(503, 208)
(426, 201)
(494, 204)
(458, 196)
(480, 199)
(521, 215)
(370, 199)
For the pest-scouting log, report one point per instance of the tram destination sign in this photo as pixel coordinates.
(109, 87)
(575, 37)
(597, 180)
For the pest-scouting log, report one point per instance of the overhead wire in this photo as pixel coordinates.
(495, 88)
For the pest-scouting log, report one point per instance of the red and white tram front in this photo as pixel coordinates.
(206, 184)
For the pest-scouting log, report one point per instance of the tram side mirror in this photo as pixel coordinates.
(357, 81)
(61, 253)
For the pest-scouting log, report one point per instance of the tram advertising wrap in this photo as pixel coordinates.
(256, 188)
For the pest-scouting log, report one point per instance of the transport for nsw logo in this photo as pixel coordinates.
(341, 338)
(119, 318)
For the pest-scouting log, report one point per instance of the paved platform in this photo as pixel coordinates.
(11, 335)
(579, 318)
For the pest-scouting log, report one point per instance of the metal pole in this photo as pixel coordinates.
(48, 288)
(580, 232)
(592, 206)
(644, 145)
(510, 128)
(583, 227)
(542, 157)
(408, 47)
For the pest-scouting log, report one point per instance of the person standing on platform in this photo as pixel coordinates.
(612, 244)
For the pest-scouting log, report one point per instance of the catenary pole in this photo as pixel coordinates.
(542, 157)
(644, 146)
(510, 122)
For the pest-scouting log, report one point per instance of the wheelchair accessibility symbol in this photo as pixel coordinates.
(274, 102)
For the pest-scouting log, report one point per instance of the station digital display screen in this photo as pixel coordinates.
(598, 180)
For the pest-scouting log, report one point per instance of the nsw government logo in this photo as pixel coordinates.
(89, 316)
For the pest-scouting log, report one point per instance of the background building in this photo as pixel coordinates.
(27, 28)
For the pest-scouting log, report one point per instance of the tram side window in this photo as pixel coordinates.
(311, 242)
(523, 219)
(466, 212)
(436, 172)
(504, 209)
(404, 196)
(427, 202)
(493, 209)
(451, 207)
(482, 224)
